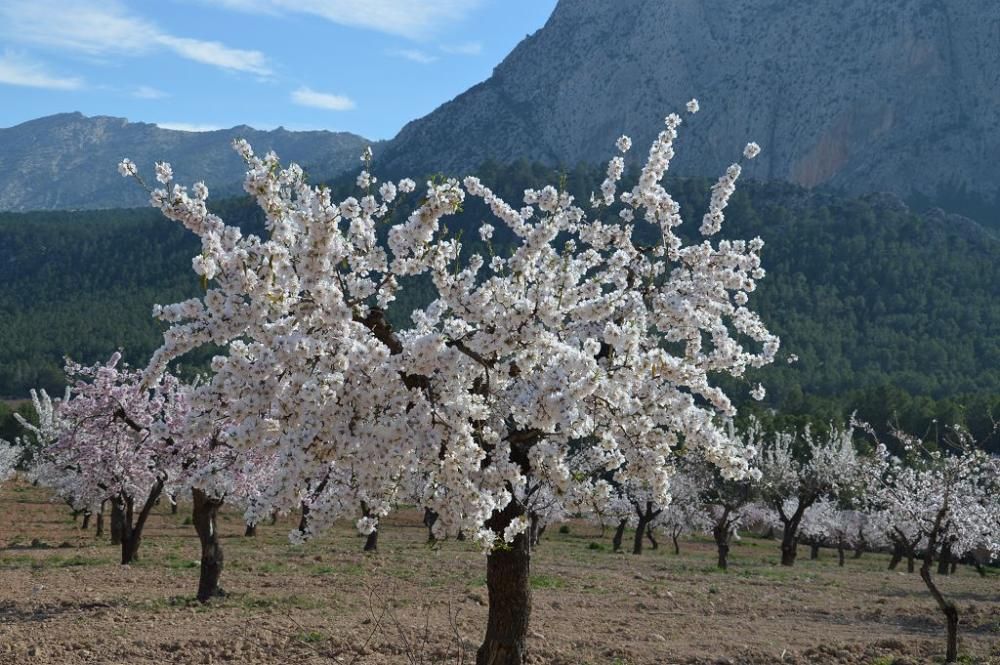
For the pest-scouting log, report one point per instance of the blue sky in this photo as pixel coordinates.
(365, 66)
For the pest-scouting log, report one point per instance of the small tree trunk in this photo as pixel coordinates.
(371, 542)
(173, 505)
(840, 554)
(430, 517)
(533, 530)
(204, 514)
(132, 533)
(251, 531)
(86, 521)
(616, 541)
(858, 551)
(954, 565)
(677, 545)
(813, 551)
(304, 520)
(507, 572)
(117, 523)
(652, 541)
(947, 607)
(99, 533)
(910, 562)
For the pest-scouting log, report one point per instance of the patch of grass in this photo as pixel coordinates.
(546, 582)
(596, 546)
(310, 637)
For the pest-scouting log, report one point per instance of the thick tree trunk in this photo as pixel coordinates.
(616, 541)
(813, 551)
(944, 560)
(640, 532)
(789, 545)
(507, 578)
(117, 523)
(897, 556)
(251, 531)
(204, 513)
(371, 542)
(722, 536)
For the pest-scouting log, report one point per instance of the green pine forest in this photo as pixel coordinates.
(891, 314)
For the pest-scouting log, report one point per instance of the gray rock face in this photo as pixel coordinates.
(865, 95)
(70, 160)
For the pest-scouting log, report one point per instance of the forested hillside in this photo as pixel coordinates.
(872, 298)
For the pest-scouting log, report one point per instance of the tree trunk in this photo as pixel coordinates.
(533, 530)
(616, 541)
(910, 562)
(86, 521)
(813, 551)
(722, 536)
(789, 545)
(304, 520)
(99, 533)
(173, 505)
(945, 559)
(947, 607)
(371, 542)
(507, 571)
(430, 517)
(840, 554)
(677, 545)
(649, 535)
(897, 556)
(858, 551)
(251, 531)
(954, 565)
(132, 532)
(117, 523)
(640, 532)
(204, 513)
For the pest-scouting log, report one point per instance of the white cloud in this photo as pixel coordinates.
(106, 28)
(148, 92)
(322, 100)
(188, 127)
(415, 55)
(18, 70)
(397, 17)
(468, 48)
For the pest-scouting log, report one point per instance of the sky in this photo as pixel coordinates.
(364, 66)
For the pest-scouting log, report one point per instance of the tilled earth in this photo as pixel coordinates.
(64, 600)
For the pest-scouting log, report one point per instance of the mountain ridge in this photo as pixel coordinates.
(69, 160)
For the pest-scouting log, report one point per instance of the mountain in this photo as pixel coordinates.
(857, 95)
(70, 160)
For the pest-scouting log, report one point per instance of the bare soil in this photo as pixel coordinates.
(64, 600)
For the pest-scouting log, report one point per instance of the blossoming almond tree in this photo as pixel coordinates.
(796, 477)
(582, 336)
(950, 496)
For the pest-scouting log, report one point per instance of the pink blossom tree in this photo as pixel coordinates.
(584, 335)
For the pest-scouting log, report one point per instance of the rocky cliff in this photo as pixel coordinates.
(862, 95)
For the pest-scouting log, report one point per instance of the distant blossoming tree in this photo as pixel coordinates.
(588, 333)
(947, 495)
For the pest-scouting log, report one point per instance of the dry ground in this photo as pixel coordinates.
(66, 601)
